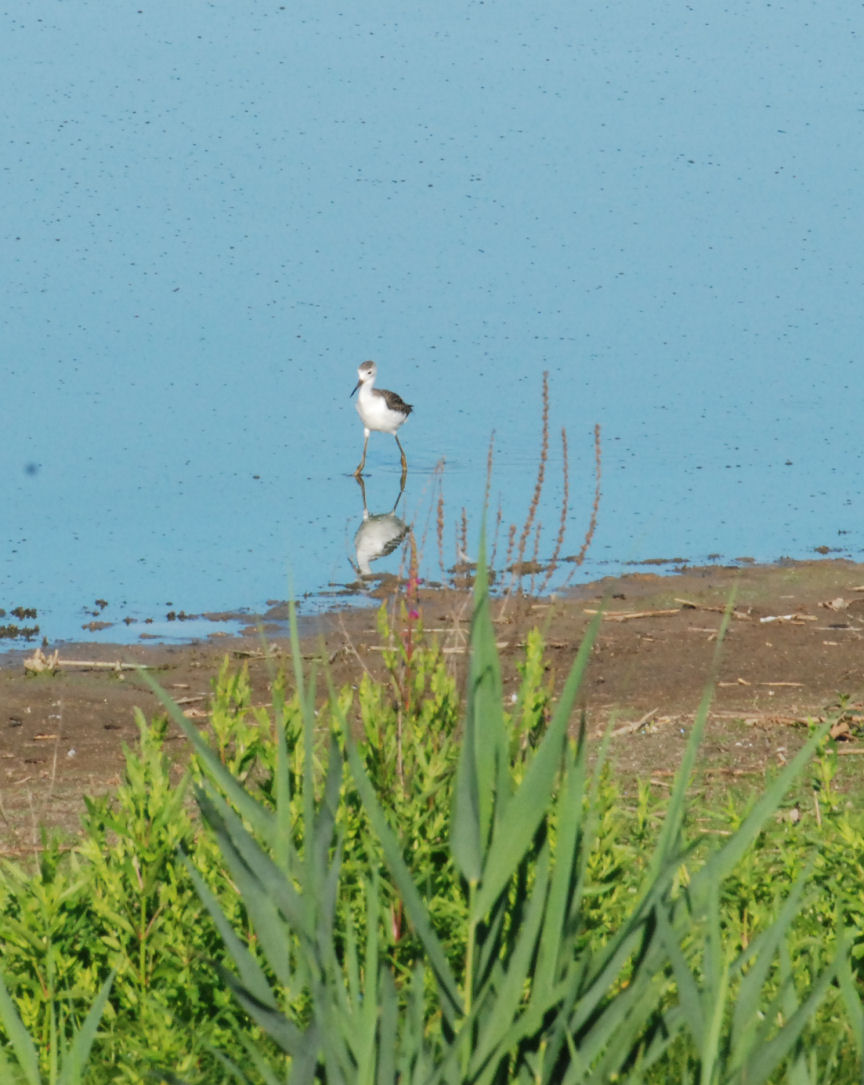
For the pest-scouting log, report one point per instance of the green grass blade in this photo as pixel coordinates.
(265, 890)
(370, 1006)
(76, 1055)
(568, 869)
(251, 974)
(352, 993)
(10, 1073)
(233, 1072)
(723, 861)
(689, 996)
(388, 1034)
(499, 1004)
(640, 1033)
(715, 991)
(636, 935)
(298, 1043)
(607, 1039)
(354, 1028)
(322, 844)
(283, 849)
(851, 999)
(483, 761)
(769, 1055)
(526, 809)
(466, 844)
(296, 656)
(19, 1038)
(668, 842)
(260, 818)
(485, 705)
(759, 959)
(451, 1003)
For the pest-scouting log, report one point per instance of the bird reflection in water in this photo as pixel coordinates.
(379, 534)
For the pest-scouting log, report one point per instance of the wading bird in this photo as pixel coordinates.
(379, 410)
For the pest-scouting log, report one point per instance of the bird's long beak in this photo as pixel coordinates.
(356, 386)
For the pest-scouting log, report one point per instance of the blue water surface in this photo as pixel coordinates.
(214, 212)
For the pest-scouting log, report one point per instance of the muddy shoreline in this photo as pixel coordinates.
(794, 649)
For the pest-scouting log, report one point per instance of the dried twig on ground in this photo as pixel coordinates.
(629, 615)
(740, 615)
(635, 725)
(40, 663)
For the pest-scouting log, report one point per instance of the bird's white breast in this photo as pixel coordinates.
(375, 413)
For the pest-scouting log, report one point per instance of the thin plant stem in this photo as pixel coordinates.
(439, 529)
(468, 995)
(498, 521)
(535, 557)
(541, 473)
(489, 457)
(577, 559)
(462, 538)
(511, 542)
(538, 485)
(562, 526)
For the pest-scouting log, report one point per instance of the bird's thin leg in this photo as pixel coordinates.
(362, 486)
(402, 450)
(362, 462)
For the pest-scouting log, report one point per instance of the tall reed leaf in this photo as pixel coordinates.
(77, 1054)
(19, 1038)
(259, 816)
(415, 906)
(252, 975)
(68, 1061)
(522, 813)
(513, 984)
(481, 778)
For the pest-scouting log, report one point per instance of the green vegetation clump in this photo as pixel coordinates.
(400, 883)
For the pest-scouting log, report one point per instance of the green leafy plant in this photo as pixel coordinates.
(120, 902)
(67, 1060)
(530, 996)
(416, 886)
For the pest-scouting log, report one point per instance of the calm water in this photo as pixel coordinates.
(213, 212)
